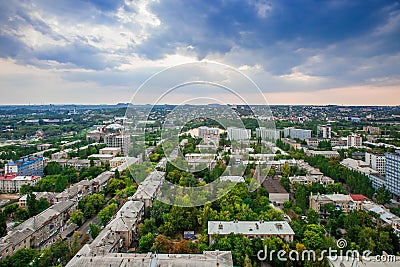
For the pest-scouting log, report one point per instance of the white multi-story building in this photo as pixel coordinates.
(251, 229)
(296, 133)
(393, 173)
(324, 131)
(11, 183)
(376, 161)
(235, 133)
(354, 141)
(267, 134)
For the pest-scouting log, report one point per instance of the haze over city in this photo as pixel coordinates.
(298, 52)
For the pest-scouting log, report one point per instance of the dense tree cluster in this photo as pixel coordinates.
(58, 254)
(357, 182)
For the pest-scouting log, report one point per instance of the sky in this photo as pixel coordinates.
(297, 52)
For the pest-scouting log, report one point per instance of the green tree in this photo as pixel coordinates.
(3, 225)
(25, 189)
(21, 258)
(52, 168)
(106, 214)
(94, 230)
(383, 196)
(42, 204)
(312, 216)
(31, 203)
(146, 242)
(77, 217)
(58, 253)
(21, 214)
(301, 197)
(286, 170)
(60, 183)
(116, 174)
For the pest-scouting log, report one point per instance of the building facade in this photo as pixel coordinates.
(393, 173)
(11, 183)
(297, 133)
(376, 161)
(354, 141)
(324, 131)
(26, 166)
(235, 133)
(268, 134)
(117, 140)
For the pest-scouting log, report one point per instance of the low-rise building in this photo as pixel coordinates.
(49, 196)
(358, 166)
(309, 179)
(343, 202)
(111, 151)
(277, 194)
(149, 188)
(85, 257)
(126, 221)
(326, 154)
(101, 157)
(385, 215)
(11, 183)
(38, 231)
(292, 143)
(77, 164)
(251, 229)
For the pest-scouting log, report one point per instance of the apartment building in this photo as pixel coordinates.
(251, 229)
(30, 165)
(267, 134)
(346, 203)
(296, 133)
(393, 173)
(376, 161)
(11, 183)
(324, 131)
(238, 134)
(354, 141)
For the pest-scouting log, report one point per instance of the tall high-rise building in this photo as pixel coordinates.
(354, 141)
(267, 134)
(296, 133)
(376, 161)
(235, 133)
(117, 140)
(324, 131)
(393, 173)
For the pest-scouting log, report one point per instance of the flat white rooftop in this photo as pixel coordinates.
(250, 228)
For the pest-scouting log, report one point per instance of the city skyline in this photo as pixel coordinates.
(100, 52)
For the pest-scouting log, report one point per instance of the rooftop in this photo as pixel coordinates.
(273, 186)
(250, 227)
(207, 259)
